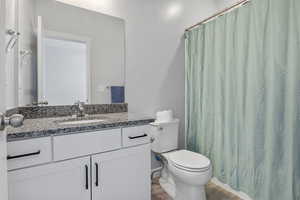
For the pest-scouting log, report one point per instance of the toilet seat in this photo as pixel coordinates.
(189, 161)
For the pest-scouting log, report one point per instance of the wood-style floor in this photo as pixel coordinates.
(213, 192)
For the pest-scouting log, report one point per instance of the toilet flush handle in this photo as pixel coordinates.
(152, 139)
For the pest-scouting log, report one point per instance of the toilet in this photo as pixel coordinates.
(185, 173)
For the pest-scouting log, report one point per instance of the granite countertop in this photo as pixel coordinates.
(45, 127)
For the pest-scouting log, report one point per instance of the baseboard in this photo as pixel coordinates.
(240, 194)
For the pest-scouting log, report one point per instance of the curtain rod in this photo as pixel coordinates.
(241, 3)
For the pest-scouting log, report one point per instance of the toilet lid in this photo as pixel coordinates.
(190, 160)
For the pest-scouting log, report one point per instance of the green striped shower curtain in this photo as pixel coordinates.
(243, 97)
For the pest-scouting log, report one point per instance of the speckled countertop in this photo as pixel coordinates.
(45, 127)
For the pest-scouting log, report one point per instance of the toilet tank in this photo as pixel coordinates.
(165, 136)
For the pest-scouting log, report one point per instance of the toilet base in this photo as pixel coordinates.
(184, 192)
(167, 184)
(181, 191)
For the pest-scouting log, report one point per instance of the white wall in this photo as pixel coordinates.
(2, 55)
(11, 65)
(3, 160)
(155, 48)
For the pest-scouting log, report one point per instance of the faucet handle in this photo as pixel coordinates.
(44, 102)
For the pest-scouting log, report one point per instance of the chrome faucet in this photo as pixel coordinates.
(80, 109)
(40, 103)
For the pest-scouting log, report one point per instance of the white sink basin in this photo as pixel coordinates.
(90, 121)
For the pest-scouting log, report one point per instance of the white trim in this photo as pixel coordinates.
(40, 61)
(20, 89)
(125, 60)
(226, 187)
(89, 79)
(76, 38)
(16, 56)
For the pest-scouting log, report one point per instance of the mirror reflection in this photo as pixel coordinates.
(69, 54)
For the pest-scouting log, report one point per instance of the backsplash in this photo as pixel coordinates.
(35, 112)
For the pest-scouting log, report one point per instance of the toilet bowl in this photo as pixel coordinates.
(185, 175)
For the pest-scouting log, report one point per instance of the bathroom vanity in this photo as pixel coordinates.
(107, 160)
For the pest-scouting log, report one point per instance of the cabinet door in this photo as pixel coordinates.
(68, 180)
(123, 174)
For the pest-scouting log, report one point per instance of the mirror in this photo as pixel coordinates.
(69, 54)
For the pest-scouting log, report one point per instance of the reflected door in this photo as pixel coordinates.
(65, 71)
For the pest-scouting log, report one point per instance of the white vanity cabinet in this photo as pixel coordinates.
(123, 175)
(106, 170)
(76, 145)
(68, 180)
(28, 153)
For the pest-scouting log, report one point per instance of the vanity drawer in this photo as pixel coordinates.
(133, 136)
(82, 144)
(28, 153)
